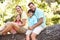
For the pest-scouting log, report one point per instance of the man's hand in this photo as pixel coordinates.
(30, 28)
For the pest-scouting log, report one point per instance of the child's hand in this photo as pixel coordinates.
(20, 25)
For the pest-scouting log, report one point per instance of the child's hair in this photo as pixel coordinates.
(19, 20)
(30, 11)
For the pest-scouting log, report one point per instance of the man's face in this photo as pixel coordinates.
(32, 7)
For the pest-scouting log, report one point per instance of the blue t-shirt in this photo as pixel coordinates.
(32, 21)
(39, 14)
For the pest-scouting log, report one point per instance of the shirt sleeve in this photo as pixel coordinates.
(40, 14)
(24, 15)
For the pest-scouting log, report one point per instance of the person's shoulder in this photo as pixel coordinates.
(33, 16)
(24, 12)
(38, 9)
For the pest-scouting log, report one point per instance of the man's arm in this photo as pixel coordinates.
(37, 24)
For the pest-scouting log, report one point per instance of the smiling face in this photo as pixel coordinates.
(18, 9)
(32, 7)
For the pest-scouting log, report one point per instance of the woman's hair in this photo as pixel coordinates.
(19, 7)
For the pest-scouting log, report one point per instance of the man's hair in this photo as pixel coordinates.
(30, 3)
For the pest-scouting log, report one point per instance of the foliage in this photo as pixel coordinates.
(8, 11)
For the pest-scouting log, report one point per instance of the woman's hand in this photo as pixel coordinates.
(24, 22)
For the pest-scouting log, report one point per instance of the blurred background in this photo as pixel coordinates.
(51, 10)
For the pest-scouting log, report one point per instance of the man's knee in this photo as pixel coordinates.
(33, 35)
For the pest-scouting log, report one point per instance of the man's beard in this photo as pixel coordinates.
(33, 10)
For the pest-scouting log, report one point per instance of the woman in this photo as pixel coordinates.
(11, 25)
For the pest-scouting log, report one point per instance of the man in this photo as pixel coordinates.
(40, 25)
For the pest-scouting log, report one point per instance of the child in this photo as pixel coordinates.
(18, 22)
(31, 21)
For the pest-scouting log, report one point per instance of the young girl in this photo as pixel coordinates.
(18, 22)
